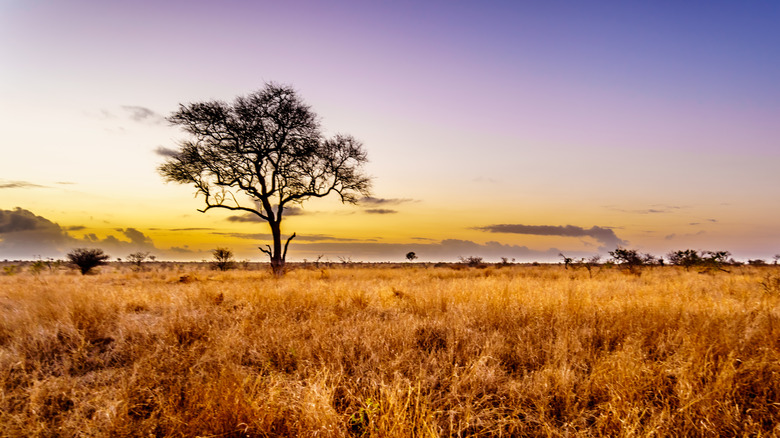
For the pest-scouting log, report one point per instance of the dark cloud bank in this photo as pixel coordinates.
(606, 236)
(25, 235)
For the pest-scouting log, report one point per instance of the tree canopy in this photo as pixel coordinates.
(261, 154)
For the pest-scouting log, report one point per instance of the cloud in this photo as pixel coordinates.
(143, 114)
(444, 250)
(166, 152)
(298, 237)
(184, 249)
(137, 238)
(19, 220)
(24, 235)
(654, 209)
(250, 236)
(380, 211)
(324, 237)
(251, 217)
(376, 202)
(606, 236)
(675, 236)
(181, 229)
(248, 217)
(19, 185)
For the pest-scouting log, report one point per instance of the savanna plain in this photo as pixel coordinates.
(390, 351)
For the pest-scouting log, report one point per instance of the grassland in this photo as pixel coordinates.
(391, 352)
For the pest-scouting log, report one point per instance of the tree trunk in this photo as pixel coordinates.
(277, 257)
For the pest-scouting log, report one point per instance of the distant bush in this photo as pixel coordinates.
(87, 258)
(472, 261)
(715, 260)
(137, 258)
(223, 259)
(630, 259)
(686, 258)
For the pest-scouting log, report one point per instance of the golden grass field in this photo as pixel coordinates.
(391, 351)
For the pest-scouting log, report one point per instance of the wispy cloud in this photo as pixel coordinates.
(166, 152)
(674, 236)
(19, 185)
(251, 217)
(248, 217)
(143, 114)
(606, 236)
(380, 211)
(182, 229)
(377, 202)
(653, 209)
(298, 238)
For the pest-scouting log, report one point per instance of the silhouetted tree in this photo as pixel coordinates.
(566, 260)
(87, 258)
(137, 258)
(223, 259)
(686, 258)
(630, 259)
(473, 261)
(266, 148)
(589, 263)
(411, 256)
(776, 258)
(714, 260)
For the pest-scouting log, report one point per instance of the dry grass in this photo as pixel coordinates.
(515, 351)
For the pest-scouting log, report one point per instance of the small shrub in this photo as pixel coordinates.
(37, 267)
(631, 259)
(223, 259)
(685, 258)
(137, 259)
(87, 258)
(472, 261)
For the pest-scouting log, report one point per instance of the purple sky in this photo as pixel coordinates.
(658, 120)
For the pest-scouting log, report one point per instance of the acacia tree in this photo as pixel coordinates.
(87, 258)
(685, 258)
(261, 154)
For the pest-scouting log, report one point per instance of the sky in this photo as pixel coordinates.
(496, 129)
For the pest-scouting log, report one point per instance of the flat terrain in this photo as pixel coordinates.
(391, 351)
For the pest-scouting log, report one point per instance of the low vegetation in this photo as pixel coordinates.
(508, 350)
(86, 259)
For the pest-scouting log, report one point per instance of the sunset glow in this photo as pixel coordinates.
(504, 129)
